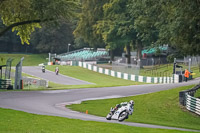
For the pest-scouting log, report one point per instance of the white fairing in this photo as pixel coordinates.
(125, 107)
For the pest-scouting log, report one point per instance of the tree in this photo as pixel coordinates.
(183, 23)
(25, 16)
(8, 40)
(54, 39)
(145, 14)
(116, 26)
(80, 43)
(176, 23)
(91, 12)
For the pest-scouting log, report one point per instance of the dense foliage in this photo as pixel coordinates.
(144, 23)
(176, 23)
(54, 39)
(112, 23)
(89, 15)
(25, 16)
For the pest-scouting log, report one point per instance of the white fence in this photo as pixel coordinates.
(127, 76)
(193, 104)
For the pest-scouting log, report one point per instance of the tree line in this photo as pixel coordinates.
(114, 24)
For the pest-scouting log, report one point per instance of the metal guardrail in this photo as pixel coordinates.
(187, 99)
(29, 81)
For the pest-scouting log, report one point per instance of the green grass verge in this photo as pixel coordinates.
(157, 71)
(98, 80)
(197, 94)
(29, 59)
(12, 121)
(56, 86)
(166, 70)
(160, 108)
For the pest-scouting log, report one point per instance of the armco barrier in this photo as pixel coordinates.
(186, 99)
(137, 78)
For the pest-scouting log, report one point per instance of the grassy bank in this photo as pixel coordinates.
(12, 121)
(197, 94)
(29, 59)
(163, 70)
(98, 80)
(166, 70)
(160, 108)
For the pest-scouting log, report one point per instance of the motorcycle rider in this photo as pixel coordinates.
(121, 111)
(123, 104)
(57, 70)
(43, 68)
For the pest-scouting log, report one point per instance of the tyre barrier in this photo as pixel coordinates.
(187, 99)
(5, 84)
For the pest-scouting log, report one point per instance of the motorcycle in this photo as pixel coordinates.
(56, 72)
(43, 69)
(121, 112)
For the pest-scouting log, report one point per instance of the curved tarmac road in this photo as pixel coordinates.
(53, 102)
(51, 76)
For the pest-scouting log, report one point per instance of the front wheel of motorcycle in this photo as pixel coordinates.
(123, 115)
(108, 117)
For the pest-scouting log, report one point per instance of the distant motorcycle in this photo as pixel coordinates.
(43, 69)
(57, 70)
(121, 111)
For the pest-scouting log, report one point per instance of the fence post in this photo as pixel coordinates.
(18, 74)
(182, 98)
(22, 84)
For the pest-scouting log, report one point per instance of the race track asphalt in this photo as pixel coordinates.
(51, 76)
(53, 102)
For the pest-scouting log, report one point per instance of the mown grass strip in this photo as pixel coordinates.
(197, 94)
(98, 80)
(29, 59)
(160, 108)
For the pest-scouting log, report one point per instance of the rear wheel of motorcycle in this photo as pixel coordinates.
(123, 115)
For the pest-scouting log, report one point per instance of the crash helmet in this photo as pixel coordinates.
(131, 102)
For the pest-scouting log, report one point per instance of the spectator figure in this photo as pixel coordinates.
(187, 74)
(57, 70)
